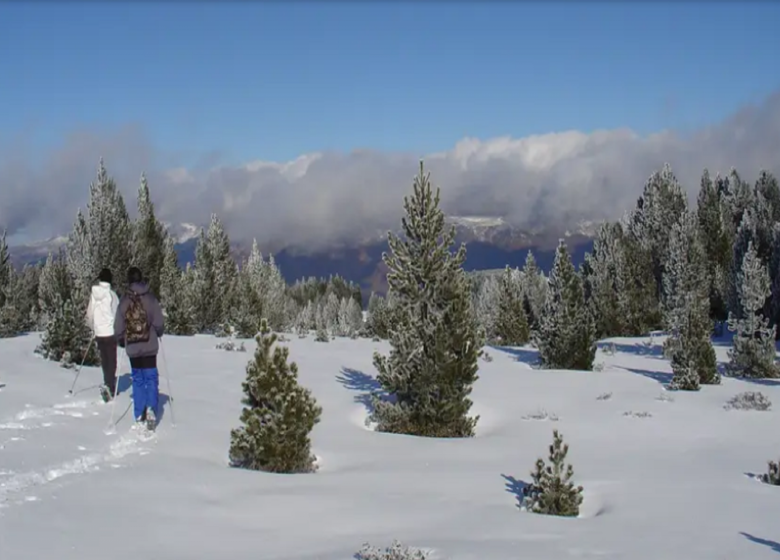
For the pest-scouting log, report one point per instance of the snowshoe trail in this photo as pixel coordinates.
(14, 486)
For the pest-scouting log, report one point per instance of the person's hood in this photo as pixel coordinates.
(139, 288)
(101, 291)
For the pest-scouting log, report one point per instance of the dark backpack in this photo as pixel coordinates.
(136, 320)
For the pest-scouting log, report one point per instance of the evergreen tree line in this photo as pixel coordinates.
(215, 294)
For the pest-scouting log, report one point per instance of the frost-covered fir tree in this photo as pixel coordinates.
(321, 325)
(100, 238)
(175, 293)
(552, 491)
(511, 324)
(567, 337)
(687, 308)
(66, 336)
(603, 263)
(376, 313)
(149, 236)
(206, 311)
(278, 415)
(767, 185)
(224, 268)
(659, 207)
(534, 290)
(745, 236)
(486, 300)
(330, 313)
(350, 321)
(753, 350)
(246, 306)
(716, 242)
(435, 347)
(10, 321)
(637, 292)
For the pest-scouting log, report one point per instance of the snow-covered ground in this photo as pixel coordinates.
(668, 486)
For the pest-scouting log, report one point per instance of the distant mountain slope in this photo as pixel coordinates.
(491, 244)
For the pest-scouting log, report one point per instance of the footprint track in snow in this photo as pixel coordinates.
(22, 420)
(131, 443)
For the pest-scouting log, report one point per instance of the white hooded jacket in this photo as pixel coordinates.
(103, 303)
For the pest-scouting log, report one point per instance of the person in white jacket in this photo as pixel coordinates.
(101, 311)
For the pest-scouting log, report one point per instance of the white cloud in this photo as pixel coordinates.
(540, 181)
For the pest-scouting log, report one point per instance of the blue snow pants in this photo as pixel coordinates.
(146, 387)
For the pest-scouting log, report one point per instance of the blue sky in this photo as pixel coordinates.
(271, 81)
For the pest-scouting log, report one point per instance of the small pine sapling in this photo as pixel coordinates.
(552, 491)
(278, 415)
(772, 476)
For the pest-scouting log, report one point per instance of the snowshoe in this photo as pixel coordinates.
(151, 421)
(105, 393)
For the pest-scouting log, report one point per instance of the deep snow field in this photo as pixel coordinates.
(668, 486)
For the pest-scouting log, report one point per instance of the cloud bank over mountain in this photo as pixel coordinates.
(544, 181)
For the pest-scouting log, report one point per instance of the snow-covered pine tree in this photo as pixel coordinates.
(753, 351)
(224, 268)
(376, 324)
(149, 237)
(433, 362)
(637, 293)
(745, 236)
(567, 336)
(321, 325)
(716, 244)
(175, 293)
(486, 305)
(54, 286)
(355, 324)
(246, 309)
(511, 324)
(6, 268)
(552, 491)
(687, 307)
(659, 207)
(205, 313)
(330, 313)
(768, 187)
(603, 263)
(275, 296)
(534, 290)
(99, 239)
(278, 415)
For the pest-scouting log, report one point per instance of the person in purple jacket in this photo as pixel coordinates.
(138, 327)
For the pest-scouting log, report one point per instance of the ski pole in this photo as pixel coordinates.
(168, 381)
(84, 359)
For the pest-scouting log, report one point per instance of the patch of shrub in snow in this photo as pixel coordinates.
(487, 357)
(395, 551)
(772, 476)
(633, 414)
(541, 414)
(664, 397)
(599, 367)
(749, 400)
(604, 397)
(230, 346)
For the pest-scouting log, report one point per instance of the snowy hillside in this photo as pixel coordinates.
(664, 473)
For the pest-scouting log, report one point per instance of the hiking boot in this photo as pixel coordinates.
(105, 393)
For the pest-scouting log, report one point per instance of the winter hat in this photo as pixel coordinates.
(134, 275)
(105, 276)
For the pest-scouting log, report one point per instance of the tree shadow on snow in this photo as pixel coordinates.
(515, 487)
(661, 377)
(772, 545)
(724, 372)
(124, 382)
(524, 355)
(637, 349)
(356, 380)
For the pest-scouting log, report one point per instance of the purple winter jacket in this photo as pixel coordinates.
(153, 313)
